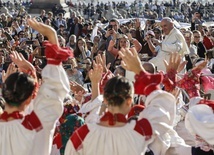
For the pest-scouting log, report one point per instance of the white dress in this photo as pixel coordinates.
(33, 134)
(96, 140)
(93, 139)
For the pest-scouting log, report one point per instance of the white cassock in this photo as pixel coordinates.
(173, 42)
(33, 135)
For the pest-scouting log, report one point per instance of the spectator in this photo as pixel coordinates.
(72, 42)
(61, 30)
(192, 56)
(201, 50)
(113, 29)
(76, 28)
(43, 16)
(61, 21)
(81, 52)
(52, 20)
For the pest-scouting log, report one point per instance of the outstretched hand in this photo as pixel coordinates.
(175, 63)
(45, 30)
(101, 59)
(130, 60)
(76, 87)
(96, 73)
(10, 70)
(201, 66)
(21, 62)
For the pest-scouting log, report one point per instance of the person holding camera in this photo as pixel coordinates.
(112, 30)
(148, 48)
(197, 24)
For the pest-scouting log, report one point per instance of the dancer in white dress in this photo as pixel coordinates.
(32, 134)
(113, 134)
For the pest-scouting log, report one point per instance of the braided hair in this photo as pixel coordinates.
(17, 88)
(117, 90)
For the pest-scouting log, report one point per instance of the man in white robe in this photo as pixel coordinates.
(173, 42)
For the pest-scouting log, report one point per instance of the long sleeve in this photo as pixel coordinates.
(114, 51)
(91, 109)
(139, 36)
(175, 42)
(48, 106)
(160, 111)
(192, 26)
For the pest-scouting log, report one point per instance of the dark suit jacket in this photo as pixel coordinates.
(72, 29)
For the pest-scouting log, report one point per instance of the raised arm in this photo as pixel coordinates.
(48, 105)
(95, 76)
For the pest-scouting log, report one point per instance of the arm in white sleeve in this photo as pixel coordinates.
(90, 110)
(160, 111)
(48, 104)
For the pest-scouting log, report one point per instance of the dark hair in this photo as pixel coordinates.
(77, 51)
(114, 20)
(20, 33)
(17, 88)
(117, 90)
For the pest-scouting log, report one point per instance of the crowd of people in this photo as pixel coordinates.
(181, 11)
(83, 86)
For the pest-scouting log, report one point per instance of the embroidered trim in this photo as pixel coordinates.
(78, 137)
(15, 115)
(32, 122)
(113, 118)
(144, 128)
